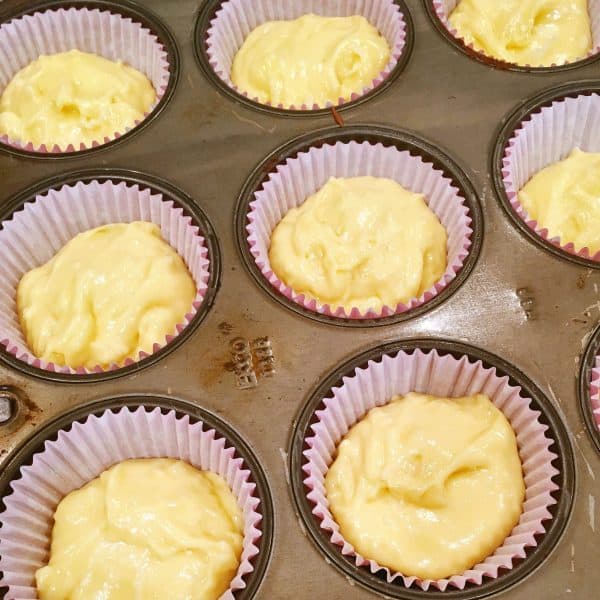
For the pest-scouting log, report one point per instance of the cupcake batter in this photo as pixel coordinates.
(526, 32)
(428, 486)
(565, 199)
(310, 60)
(360, 242)
(73, 98)
(107, 295)
(146, 528)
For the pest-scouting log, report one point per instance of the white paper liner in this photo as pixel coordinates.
(81, 453)
(298, 178)
(41, 228)
(444, 376)
(112, 36)
(595, 391)
(235, 20)
(546, 137)
(443, 9)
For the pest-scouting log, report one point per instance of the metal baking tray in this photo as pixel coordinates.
(522, 308)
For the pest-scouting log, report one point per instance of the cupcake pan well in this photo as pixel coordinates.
(589, 386)
(538, 133)
(442, 368)
(41, 472)
(115, 30)
(304, 165)
(44, 218)
(223, 25)
(208, 145)
(440, 10)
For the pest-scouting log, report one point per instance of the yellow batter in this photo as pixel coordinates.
(526, 32)
(147, 529)
(108, 294)
(428, 486)
(360, 241)
(310, 60)
(565, 199)
(73, 98)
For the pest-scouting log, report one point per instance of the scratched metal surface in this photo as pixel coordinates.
(207, 145)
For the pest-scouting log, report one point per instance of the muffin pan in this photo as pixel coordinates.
(524, 308)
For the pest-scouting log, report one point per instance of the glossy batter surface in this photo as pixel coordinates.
(360, 242)
(73, 98)
(146, 529)
(526, 32)
(427, 486)
(309, 60)
(565, 199)
(108, 294)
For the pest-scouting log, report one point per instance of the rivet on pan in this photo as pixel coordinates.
(8, 405)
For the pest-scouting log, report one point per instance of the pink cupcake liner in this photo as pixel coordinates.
(298, 178)
(112, 36)
(235, 20)
(595, 391)
(444, 8)
(81, 453)
(546, 137)
(447, 376)
(41, 228)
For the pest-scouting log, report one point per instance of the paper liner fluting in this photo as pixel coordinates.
(99, 32)
(595, 391)
(444, 376)
(546, 137)
(81, 453)
(41, 228)
(443, 9)
(235, 19)
(295, 180)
